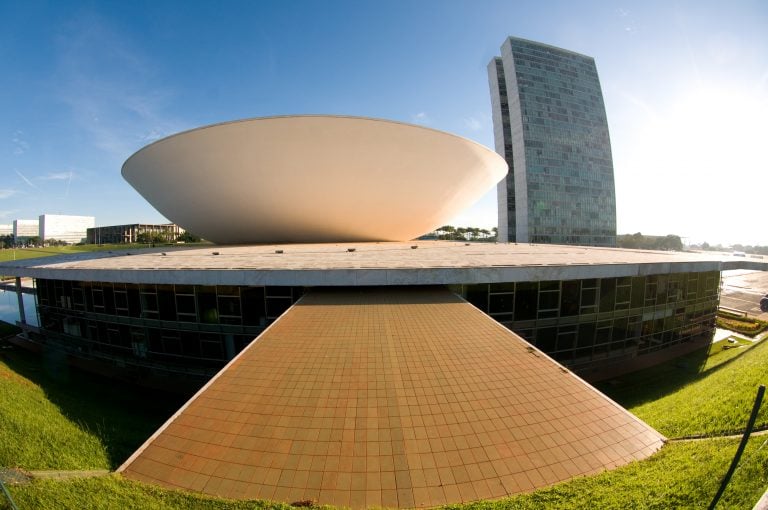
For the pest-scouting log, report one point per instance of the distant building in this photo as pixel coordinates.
(550, 125)
(59, 227)
(25, 229)
(118, 234)
(6, 229)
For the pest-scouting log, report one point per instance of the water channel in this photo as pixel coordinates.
(9, 307)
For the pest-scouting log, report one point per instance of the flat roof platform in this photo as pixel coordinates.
(388, 397)
(362, 264)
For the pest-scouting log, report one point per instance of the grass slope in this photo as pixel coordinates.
(690, 396)
(682, 475)
(55, 418)
(30, 253)
(90, 424)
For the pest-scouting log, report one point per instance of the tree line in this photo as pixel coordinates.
(451, 233)
(161, 238)
(640, 242)
(8, 241)
(746, 248)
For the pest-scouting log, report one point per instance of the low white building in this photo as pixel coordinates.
(24, 229)
(71, 229)
(6, 229)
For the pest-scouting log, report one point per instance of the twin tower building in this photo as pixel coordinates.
(550, 125)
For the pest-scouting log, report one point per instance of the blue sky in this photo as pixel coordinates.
(83, 85)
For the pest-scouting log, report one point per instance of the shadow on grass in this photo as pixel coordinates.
(121, 415)
(655, 382)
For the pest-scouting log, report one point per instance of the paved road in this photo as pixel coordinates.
(742, 290)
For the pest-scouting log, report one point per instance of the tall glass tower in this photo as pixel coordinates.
(549, 123)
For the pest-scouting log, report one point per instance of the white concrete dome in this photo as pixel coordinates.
(312, 179)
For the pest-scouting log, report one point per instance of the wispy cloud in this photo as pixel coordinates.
(20, 146)
(421, 118)
(473, 123)
(57, 176)
(627, 20)
(6, 193)
(110, 87)
(8, 213)
(24, 178)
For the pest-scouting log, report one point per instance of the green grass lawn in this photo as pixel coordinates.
(54, 418)
(698, 395)
(682, 475)
(30, 253)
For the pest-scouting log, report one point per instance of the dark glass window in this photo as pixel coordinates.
(607, 294)
(549, 303)
(166, 302)
(650, 290)
(185, 308)
(546, 339)
(638, 292)
(149, 305)
(502, 287)
(526, 298)
(98, 299)
(190, 343)
(566, 338)
(277, 307)
(623, 293)
(211, 346)
(478, 296)
(172, 343)
(569, 298)
(254, 311)
(229, 306)
(206, 304)
(121, 300)
(501, 303)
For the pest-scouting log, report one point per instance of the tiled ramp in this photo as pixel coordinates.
(394, 397)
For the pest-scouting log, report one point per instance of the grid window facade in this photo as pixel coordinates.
(196, 329)
(176, 326)
(550, 125)
(580, 322)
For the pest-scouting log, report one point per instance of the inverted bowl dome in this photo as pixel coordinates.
(312, 179)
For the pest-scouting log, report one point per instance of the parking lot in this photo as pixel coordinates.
(742, 290)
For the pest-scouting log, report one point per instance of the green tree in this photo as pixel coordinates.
(188, 237)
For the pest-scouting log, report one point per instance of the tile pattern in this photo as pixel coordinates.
(393, 397)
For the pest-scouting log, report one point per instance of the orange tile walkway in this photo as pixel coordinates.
(393, 397)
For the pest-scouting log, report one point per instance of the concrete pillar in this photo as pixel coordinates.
(229, 346)
(20, 297)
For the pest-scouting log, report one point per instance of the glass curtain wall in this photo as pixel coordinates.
(581, 321)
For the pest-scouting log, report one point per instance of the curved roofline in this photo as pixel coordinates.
(307, 115)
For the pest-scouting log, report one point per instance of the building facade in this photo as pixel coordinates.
(6, 229)
(119, 234)
(67, 228)
(189, 311)
(156, 331)
(589, 323)
(25, 229)
(550, 125)
(195, 329)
